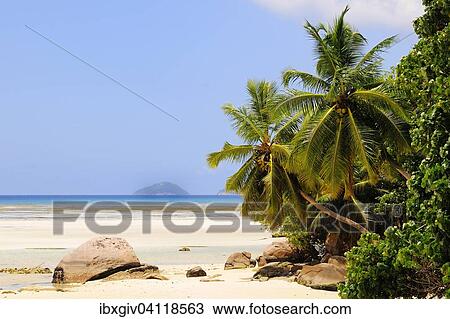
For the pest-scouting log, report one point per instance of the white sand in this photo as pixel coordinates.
(31, 242)
(234, 284)
(38, 233)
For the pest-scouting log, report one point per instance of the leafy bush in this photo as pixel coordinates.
(393, 266)
(415, 260)
(311, 246)
(370, 272)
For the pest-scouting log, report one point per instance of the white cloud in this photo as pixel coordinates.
(397, 14)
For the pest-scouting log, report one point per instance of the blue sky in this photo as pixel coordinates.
(65, 129)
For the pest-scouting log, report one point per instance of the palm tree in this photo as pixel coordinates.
(266, 133)
(350, 116)
(262, 178)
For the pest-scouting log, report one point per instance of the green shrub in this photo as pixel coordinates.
(370, 268)
(395, 266)
(415, 261)
(311, 247)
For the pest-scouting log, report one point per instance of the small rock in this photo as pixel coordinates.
(277, 269)
(196, 272)
(281, 251)
(141, 272)
(143, 268)
(4, 292)
(261, 261)
(184, 249)
(324, 276)
(252, 263)
(238, 260)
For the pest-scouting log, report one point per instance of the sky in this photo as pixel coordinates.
(67, 129)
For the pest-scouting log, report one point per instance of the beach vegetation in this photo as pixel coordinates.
(352, 134)
(413, 260)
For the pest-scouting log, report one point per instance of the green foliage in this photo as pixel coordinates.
(350, 113)
(262, 178)
(344, 129)
(393, 266)
(369, 270)
(310, 246)
(393, 203)
(446, 279)
(294, 232)
(416, 259)
(424, 75)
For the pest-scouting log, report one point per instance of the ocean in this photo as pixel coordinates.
(48, 199)
(39, 206)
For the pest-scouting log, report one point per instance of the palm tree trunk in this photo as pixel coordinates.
(332, 214)
(404, 173)
(398, 167)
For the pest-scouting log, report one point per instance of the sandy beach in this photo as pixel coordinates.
(219, 283)
(31, 242)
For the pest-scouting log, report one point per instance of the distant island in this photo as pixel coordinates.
(163, 188)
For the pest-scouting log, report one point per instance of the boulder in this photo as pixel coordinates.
(325, 258)
(141, 272)
(338, 261)
(322, 276)
(339, 243)
(95, 259)
(196, 272)
(281, 251)
(261, 261)
(238, 260)
(277, 269)
(332, 243)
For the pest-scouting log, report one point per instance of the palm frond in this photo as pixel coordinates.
(308, 81)
(391, 128)
(263, 96)
(336, 161)
(280, 152)
(293, 196)
(245, 124)
(303, 102)
(326, 61)
(286, 129)
(363, 142)
(379, 96)
(273, 191)
(313, 140)
(239, 180)
(231, 153)
(373, 54)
